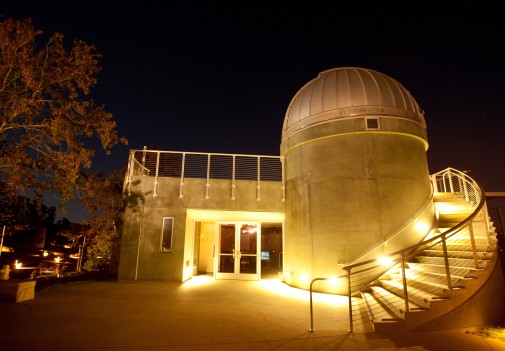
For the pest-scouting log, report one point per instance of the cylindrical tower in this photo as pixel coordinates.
(357, 179)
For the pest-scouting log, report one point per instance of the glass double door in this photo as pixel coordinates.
(237, 247)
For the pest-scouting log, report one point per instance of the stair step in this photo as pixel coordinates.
(456, 272)
(480, 246)
(421, 282)
(395, 303)
(465, 254)
(453, 262)
(454, 215)
(377, 312)
(440, 279)
(426, 273)
(447, 196)
(419, 297)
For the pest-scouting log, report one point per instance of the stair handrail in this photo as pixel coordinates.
(399, 231)
(402, 255)
(448, 233)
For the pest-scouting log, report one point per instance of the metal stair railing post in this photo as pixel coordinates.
(181, 184)
(434, 183)
(311, 309)
(258, 186)
(233, 178)
(155, 190)
(349, 293)
(474, 248)
(144, 157)
(485, 213)
(207, 184)
(446, 263)
(283, 180)
(465, 190)
(404, 281)
(129, 172)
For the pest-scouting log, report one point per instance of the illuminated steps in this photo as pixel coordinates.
(430, 294)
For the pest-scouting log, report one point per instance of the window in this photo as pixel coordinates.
(167, 234)
(372, 123)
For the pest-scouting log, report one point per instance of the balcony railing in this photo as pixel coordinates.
(209, 166)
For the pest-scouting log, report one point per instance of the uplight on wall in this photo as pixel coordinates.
(303, 277)
(385, 261)
(421, 227)
(333, 281)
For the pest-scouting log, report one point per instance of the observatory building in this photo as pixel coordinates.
(349, 200)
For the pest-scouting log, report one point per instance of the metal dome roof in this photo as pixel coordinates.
(349, 92)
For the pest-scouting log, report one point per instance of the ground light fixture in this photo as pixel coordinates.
(384, 261)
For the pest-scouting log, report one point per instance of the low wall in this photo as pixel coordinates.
(17, 290)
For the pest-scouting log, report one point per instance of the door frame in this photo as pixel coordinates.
(200, 215)
(237, 255)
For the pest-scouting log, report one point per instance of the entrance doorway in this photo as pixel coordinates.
(211, 237)
(237, 248)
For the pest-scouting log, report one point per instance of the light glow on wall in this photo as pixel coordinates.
(303, 277)
(385, 261)
(422, 227)
(333, 281)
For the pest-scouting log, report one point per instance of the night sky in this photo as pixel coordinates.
(219, 76)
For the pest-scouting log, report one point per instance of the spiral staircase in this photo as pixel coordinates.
(438, 278)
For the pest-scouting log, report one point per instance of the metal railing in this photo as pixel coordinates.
(209, 166)
(466, 243)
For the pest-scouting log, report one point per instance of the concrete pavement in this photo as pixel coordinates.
(201, 314)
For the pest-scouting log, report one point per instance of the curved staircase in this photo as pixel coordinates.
(429, 281)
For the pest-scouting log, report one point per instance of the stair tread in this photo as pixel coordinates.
(426, 272)
(460, 272)
(376, 311)
(394, 301)
(413, 292)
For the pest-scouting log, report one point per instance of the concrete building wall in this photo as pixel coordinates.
(140, 249)
(348, 193)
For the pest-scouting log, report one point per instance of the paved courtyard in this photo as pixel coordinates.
(201, 314)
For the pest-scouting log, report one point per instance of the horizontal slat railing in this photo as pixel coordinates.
(209, 166)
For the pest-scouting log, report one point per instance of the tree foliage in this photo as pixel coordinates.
(47, 117)
(102, 195)
(23, 214)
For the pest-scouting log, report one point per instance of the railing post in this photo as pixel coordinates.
(446, 263)
(259, 179)
(155, 190)
(181, 184)
(144, 157)
(434, 183)
(451, 185)
(233, 178)
(311, 310)
(129, 172)
(404, 281)
(207, 185)
(283, 180)
(485, 213)
(349, 295)
(465, 190)
(474, 247)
